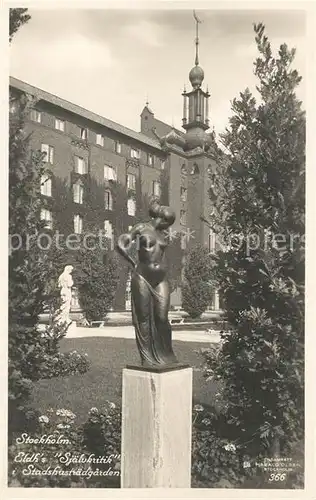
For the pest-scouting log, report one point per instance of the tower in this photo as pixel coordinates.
(195, 103)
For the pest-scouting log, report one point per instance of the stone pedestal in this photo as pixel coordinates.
(72, 328)
(156, 428)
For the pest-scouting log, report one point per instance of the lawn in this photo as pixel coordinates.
(108, 357)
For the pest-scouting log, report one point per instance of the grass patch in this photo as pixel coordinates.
(108, 357)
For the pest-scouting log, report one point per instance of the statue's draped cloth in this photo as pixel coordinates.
(153, 330)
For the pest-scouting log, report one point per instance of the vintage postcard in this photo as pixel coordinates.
(157, 335)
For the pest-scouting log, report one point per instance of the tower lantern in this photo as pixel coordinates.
(195, 103)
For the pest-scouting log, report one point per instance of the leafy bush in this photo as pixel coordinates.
(96, 279)
(174, 254)
(26, 265)
(31, 352)
(196, 289)
(259, 195)
(62, 364)
(220, 458)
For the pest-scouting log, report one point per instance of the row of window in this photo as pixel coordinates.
(78, 192)
(109, 171)
(135, 153)
(47, 218)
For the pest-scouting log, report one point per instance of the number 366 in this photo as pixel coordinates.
(277, 477)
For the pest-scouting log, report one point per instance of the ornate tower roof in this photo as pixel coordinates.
(195, 105)
(196, 75)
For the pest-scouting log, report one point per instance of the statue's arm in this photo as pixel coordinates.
(126, 240)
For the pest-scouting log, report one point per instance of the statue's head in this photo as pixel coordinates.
(164, 216)
(68, 269)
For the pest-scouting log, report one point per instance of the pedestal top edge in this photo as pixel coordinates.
(158, 369)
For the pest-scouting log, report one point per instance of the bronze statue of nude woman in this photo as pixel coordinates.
(149, 286)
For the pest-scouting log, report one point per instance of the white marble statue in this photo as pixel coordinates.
(65, 283)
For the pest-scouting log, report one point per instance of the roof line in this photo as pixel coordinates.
(76, 109)
(170, 126)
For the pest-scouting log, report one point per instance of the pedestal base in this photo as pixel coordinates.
(156, 428)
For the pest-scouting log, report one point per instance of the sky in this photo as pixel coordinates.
(112, 61)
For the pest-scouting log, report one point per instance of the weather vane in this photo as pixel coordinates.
(198, 21)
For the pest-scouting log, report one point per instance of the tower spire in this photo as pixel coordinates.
(197, 20)
(195, 102)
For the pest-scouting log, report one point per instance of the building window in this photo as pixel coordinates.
(211, 241)
(100, 140)
(135, 153)
(118, 147)
(36, 116)
(150, 159)
(109, 173)
(183, 193)
(47, 217)
(156, 190)
(131, 181)
(131, 207)
(59, 124)
(78, 192)
(78, 224)
(183, 169)
(81, 167)
(46, 185)
(108, 200)
(183, 217)
(108, 229)
(83, 133)
(49, 153)
(162, 164)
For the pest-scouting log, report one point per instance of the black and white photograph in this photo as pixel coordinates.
(156, 261)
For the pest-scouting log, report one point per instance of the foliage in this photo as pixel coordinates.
(26, 265)
(96, 279)
(30, 351)
(60, 364)
(220, 459)
(174, 254)
(99, 436)
(17, 18)
(259, 215)
(95, 264)
(196, 290)
(102, 434)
